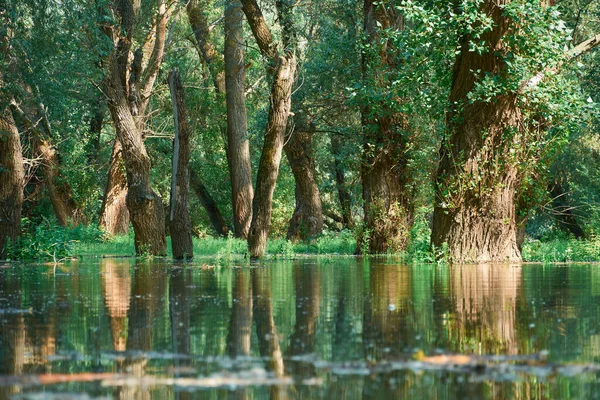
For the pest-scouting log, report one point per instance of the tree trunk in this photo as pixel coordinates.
(114, 216)
(340, 182)
(477, 183)
(180, 223)
(144, 205)
(129, 82)
(240, 170)
(209, 205)
(268, 169)
(60, 194)
(388, 191)
(307, 220)
(207, 51)
(11, 181)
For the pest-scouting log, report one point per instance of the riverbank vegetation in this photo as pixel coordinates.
(463, 131)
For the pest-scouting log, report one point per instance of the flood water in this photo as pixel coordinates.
(331, 328)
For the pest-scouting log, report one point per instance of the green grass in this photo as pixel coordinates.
(229, 249)
(562, 250)
(48, 242)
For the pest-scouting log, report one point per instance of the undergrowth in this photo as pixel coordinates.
(50, 242)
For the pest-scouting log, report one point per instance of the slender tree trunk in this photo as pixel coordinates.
(96, 124)
(240, 170)
(307, 220)
(477, 183)
(180, 223)
(205, 48)
(216, 219)
(388, 192)
(114, 216)
(11, 181)
(268, 169)
(60, 194)
(340, 182)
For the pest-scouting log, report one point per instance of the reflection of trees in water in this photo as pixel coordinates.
(116, 288)
(386, 309)
(12, 331)
(147, 301)
(268, 337)
(484, 308)
(179, 311)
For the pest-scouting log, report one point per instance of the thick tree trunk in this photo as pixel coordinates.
(340, 182)
(129, 85)
(11, 181)
(114, 216)
(240, 170)
(216, 219)
(144, 205)
(477, 182)
(268, 169)
(179, 218)
(388, 191)
(307, 220)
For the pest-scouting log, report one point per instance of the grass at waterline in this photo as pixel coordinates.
(51, 243)
(342, 243)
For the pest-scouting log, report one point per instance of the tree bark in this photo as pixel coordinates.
(307, 220)
(340, 183)
(129, 86)
(180, 223)
(240, 169)
(114, 216)
(144, 205)
(59, 193)
(474, 214)
(268, 169)
(388, 190)
(205, 48)
(11, 181)
(216, 219)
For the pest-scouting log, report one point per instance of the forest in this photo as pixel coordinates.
(463, 130)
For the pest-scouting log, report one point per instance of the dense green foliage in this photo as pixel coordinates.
(59, 60)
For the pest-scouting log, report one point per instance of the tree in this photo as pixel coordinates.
(492, 129)
(179, 218)
(283, 69)
(388, 191)
(129, 87)
(238, 146)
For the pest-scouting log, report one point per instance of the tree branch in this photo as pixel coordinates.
(575, 52)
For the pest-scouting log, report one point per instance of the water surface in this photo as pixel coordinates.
(328, 328)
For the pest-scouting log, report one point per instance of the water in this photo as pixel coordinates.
(313, 328)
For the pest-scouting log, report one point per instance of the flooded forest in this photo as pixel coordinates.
(299, 199)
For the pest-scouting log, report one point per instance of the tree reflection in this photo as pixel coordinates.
(12, 330)
(268, 337)
(116, 288)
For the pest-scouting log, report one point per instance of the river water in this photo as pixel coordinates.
(330, 328)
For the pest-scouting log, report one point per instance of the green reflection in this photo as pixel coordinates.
(343, 328)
